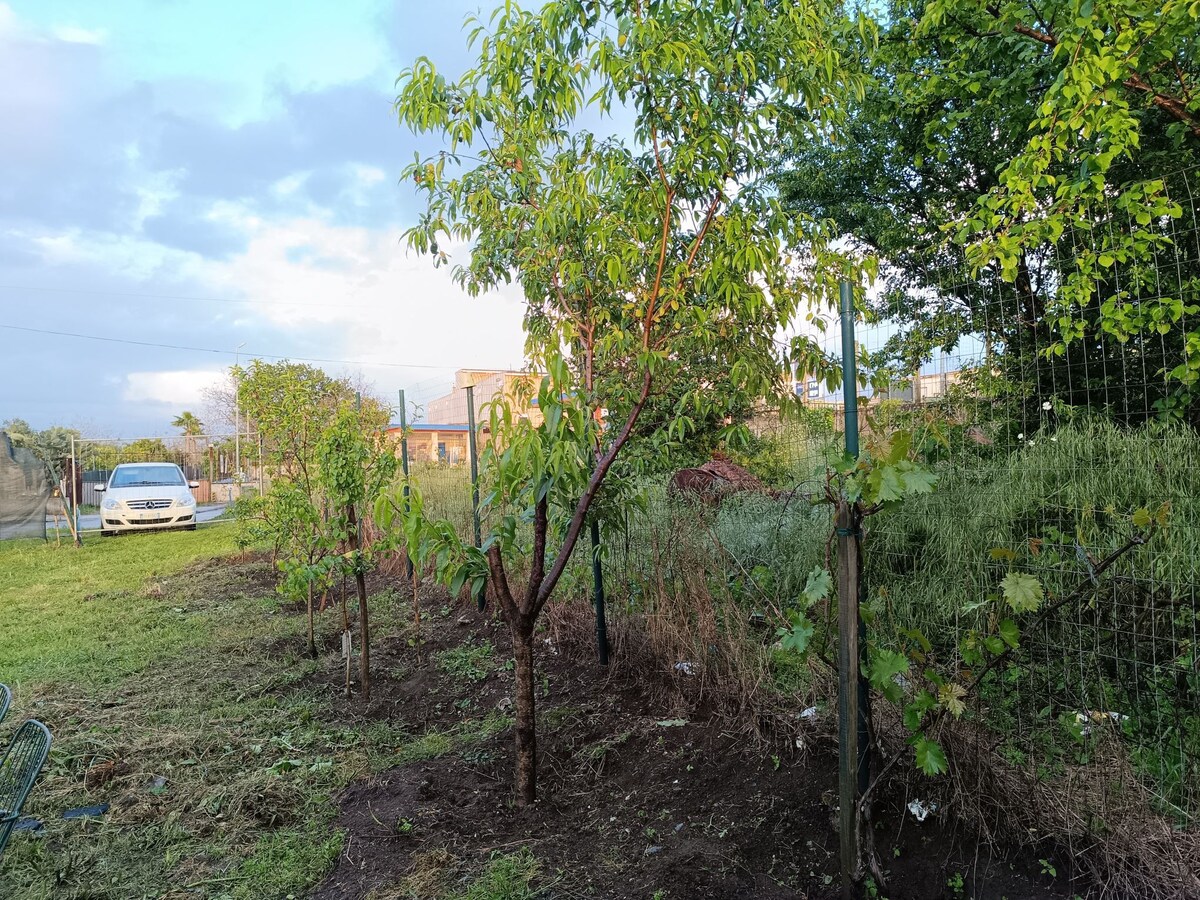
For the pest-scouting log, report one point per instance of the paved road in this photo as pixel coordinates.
(205, 513)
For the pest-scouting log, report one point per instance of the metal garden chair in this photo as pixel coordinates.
(19, 769)
(5, 700)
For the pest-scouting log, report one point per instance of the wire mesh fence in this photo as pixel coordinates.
(1077, 464)
(217, 468)
(1074, 462)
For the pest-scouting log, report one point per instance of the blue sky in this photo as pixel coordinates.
(214, 174)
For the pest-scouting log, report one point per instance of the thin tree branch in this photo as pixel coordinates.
(575, 528)
(662, 264)
(499, 580)
(537, 573)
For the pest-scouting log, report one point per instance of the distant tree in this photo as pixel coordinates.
(51, 445)
(20, 433)
(145, 450)
(290, 405)
(191, 427)
(188, 423)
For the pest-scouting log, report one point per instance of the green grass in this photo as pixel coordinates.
(439, 875)
(1126, 647)
(446, 491)
(153, 657)
(507, 876)
(84, 615)
(1083, 480)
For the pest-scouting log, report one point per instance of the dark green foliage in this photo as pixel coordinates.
(931, 167)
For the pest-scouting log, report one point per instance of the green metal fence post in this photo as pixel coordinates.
(854, 709)
(481, 594)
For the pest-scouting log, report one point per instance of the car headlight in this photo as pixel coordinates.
(110, 503)
(189, 500)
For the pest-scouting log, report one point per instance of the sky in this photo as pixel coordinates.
(215, 175)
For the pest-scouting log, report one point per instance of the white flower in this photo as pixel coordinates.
(1021, 436)
(1054, 440)
(1046, 406)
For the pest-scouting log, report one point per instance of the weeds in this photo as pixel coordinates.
(507, 876)
(473, 662)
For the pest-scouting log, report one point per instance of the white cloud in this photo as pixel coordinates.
(182, 388)
(11, 26)
(369, 298)
(368, 176)
(132, 256)
(73, 34)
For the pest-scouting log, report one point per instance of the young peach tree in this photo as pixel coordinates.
(636, 254)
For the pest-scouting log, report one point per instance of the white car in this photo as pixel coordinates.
(147, 496)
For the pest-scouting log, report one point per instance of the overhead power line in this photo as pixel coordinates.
(246, 353)
(189, 298)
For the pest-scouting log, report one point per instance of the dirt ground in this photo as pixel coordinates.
(641, 796)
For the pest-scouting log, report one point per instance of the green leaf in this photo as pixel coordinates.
(882, 668)
(1022, 592)
(818, 585)
(930, 758)
(919, 481)
(1142, 517)
(1009, 633)
(798, 636)
(917, 635)
(914, 712)
(887, 484)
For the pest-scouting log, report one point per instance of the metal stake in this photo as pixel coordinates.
(598, 595)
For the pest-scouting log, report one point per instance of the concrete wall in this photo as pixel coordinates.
(452, 408)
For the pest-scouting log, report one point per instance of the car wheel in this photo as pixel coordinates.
(191, 527)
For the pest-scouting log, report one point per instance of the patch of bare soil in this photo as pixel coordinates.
(639, 794)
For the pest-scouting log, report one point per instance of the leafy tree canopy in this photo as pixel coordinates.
(292, 404)
(1016, 168)
(51, 445)
(637, 257)
(188, 423)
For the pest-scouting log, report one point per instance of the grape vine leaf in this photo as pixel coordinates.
(931, 759)
(1022, 592)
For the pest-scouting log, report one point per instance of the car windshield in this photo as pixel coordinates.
(147, 476)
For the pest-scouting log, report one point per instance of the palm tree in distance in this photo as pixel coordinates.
(191, 427)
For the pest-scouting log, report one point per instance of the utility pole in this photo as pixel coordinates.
(237, 414)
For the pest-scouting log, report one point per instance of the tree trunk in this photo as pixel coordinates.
(364, 628)
(346, 636)
(312, 644)
(364, 632)
(526, 771)
(416, 600)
